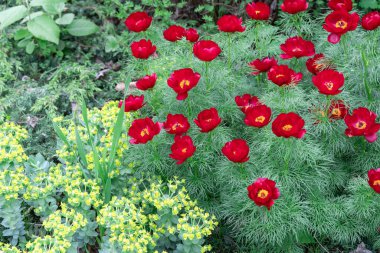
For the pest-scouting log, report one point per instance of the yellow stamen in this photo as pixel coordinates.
(262, 194)
(260, 119)
(184, 83)
(176, 125)
(361, 125)
(144, 132)
(279, 75)
(184, 150)
(341, 24)
(376, 183)
(287, 127)
(336, 112)
(329, 85)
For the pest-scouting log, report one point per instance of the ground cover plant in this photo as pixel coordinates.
(248, 134)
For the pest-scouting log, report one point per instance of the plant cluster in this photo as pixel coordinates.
(46, 207)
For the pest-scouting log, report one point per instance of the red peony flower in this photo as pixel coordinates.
(315, 64)
(371, 20)
(138, 21)
(132, 103)
(182, 81)
(329, 82)
(182, 148)
(246, 101)
(236, 151)
(338, 23)
(230, 24)
(192, 35)
(176, 124)
(206, 50)
(337, 5)
(143, 130)
(337, 109)
(147, 82)
(374, 179)
(258, 11)
(258, 116)
(174, 33)
(288, 125)
(297, 47)
(142, 49)
(263, 192)
(283, 75)
(208, 120)
(294, 6)
(263, 65)
(362, 122)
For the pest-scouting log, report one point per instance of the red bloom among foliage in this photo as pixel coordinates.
(262, 65)
(143, 130)
(362, 122)
(289, 125)
(142, 49)
(297, 47)
(336, 5)
(230, 24)
(132, 103)
(208, 120)
(138, 21)
(374, 179)
(283, 75)
(258, 116)
(328, 82)
(315, 64)
(337, 109)
(294, 6)
(236, 151)
(147, 82)
(338, 23)
(176, 124)
(258, 11)
(246, 101)
(192, 35)
(371, 20)
(174, 33)
(183, 80)
(263, 192)
(182, 148)
(206, 50)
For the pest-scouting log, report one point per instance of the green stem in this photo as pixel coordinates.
(365, 76)
(207, 77)
(229, 51)
(282, 92)
(328, 103)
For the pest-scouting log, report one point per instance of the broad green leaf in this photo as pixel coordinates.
(11, 15)
(32, 16)
(107, 191)
(111, 44)
(21, 34)
(44, 28)
(59, 132)
(53, 6)
(30, 47)
(80, 146)
(35, 3)
(82, 27)
(23, 42)
(65, 19)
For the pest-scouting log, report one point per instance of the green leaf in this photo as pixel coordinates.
(107, 191)
(53, 6)
(23, 42)
(82, 27)
(369, 4)
(21, 34)
(59, 132)
(30, 47)
(36, 3)
(80, 146)
(44, 28)
(11, 15)
(65, 19)
(111, 44)
(32, 16)
(117, 129)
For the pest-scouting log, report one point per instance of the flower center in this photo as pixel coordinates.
(144, 132)
(329, 85)
(260, 119)
(287, 127)
(336, 112)
(257, 12)
(341, 24)
(262, 194)
(184, 150)
(279, 75)
(376, 183)
(184, 83)
(176, 125)
(297, 49)
(361, 125)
